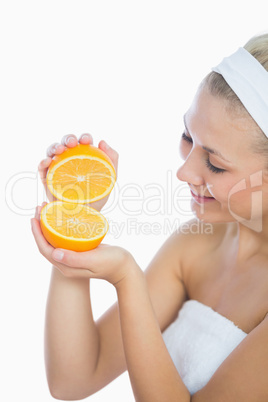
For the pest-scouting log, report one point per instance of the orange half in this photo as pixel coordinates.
(82, 174)
(72, 226)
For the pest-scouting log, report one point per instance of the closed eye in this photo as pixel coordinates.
(211, 167)
(185, 137)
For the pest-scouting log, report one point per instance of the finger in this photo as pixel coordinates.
(86, 139)
(113, 155)
(44, 247)
(37, 212)
(39, 209)
(69, 140)
(73, 258)
(43, 167)
(55, 149)
(42, 206)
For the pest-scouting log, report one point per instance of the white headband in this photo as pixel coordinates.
(249, 80)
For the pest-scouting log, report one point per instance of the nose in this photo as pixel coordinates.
(190, 171)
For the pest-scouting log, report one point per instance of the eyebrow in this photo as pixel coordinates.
(209, 150)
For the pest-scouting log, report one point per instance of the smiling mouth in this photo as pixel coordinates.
(199, 195)
(202, 196)
(201, 199)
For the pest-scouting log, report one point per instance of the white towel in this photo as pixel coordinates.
(199, 340)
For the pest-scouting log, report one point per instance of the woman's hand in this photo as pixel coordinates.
(111, 263)
(70, 141)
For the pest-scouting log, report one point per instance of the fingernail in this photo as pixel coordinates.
(84, 136)
(58, 255)
(69, 139)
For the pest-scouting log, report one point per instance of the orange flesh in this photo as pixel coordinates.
(79, 225)
(72, 226)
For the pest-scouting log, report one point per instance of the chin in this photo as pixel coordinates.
(210, 216)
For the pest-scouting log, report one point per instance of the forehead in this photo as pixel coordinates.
(213, 125)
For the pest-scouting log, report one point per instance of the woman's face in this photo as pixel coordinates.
(234, 179)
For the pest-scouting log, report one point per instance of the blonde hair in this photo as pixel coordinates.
(258, 47)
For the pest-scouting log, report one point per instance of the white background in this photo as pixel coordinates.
(125, 71)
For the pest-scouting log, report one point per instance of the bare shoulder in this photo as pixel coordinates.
(199, 238)
(200, 250)
(190, 243)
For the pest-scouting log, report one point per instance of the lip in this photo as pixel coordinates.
(199, 198)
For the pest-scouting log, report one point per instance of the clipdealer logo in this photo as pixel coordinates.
(255, 221)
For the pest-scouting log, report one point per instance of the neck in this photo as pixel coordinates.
(252, 242)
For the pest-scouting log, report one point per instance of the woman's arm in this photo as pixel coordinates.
(81, 356)
(71, 336)
(243, 376)
(152, 372)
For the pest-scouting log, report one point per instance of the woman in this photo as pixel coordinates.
(215, 349)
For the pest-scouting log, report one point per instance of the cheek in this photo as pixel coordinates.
(234, 198)
(219, 187)
(240, 200)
